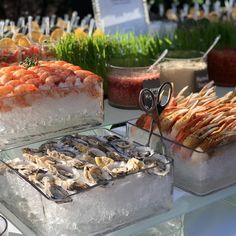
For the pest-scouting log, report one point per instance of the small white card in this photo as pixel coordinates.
(121, 15)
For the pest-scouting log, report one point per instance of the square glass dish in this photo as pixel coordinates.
(195, 171)
(41, 113)
(134, 183)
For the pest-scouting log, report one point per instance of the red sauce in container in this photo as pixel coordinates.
(9, 55)
(222, 66)
(32, 51)
(125, 84)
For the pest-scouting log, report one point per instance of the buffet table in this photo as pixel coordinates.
(184, 202)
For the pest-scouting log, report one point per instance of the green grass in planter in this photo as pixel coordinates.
(143, 48)
(201, 35)
(94, 53)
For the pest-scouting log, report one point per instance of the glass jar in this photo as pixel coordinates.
(34, 50)
(126, 82)
(3, 226)
(10, 55)
(47, 51)
(222, 66)
(180, 67)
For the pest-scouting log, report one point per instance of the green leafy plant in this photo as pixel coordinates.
(30, 62)
(201, 34)
(142, 49)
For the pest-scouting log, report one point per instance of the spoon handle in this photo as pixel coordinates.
(158, 60)
(212, 46)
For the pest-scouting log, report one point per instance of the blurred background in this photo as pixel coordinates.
(13, 9)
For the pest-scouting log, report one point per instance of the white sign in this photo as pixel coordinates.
(121, 15)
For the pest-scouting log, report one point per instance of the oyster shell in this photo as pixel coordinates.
(116, 169)
(95, 152)
(95, 175)
(134, 165)
(81, 147)
(117, 172)
(71, 185)
(103, 161)
(121, 143)
(57, 155)
(115, 156)
(89, 159)
(51, 145)
(141, 152)
(53, 190)
(64, 170)
(78, 164)
(32, 151)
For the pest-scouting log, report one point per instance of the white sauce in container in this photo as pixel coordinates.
(181, 72)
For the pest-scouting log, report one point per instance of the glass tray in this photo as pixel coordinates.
(94, 211)
(198, 172)
(47, 111)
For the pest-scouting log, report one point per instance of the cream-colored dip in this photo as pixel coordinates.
(181, 73)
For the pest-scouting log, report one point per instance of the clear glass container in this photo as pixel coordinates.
(47, 51)
(34, 50)
(94, 211)
(198, 172)
(180, 67)
(10, 55)
(125, 82)
(222, 64)
(47, 111)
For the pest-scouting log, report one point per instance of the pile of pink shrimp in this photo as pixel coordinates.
(16, 79)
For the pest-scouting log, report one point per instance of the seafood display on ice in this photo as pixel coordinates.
(75, 162)
(93, 182)
(199, 134)
(199, 121)
(46, 96)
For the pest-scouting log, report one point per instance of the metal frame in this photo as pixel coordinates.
(97, 12)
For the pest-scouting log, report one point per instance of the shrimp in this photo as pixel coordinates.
(52, 79)
(91, 82)
(28, 77)
(10, 69)
(71, 79)
(6, 78)
(25, 88)
(92, 79)
(71, 67)
(19, 73)
(39, 69)
(60, 63)
(63, 72)
(6, 89)
(35, 81)
(14, 83)
(44, 75)
(83, 73)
